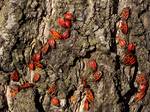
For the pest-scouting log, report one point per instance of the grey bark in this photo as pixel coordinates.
(24, 27)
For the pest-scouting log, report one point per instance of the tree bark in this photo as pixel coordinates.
(25, 27)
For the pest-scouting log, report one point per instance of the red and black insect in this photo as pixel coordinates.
(14, 75)
(97, 76)
(52, 89)
(123, 26)
(142, 83)
(26, 85)
(129, 59)
(125, 13)
(131, 47)
(68, 16)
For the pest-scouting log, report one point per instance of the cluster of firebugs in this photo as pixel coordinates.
(66, 22)
(129, 57)
(35, 61)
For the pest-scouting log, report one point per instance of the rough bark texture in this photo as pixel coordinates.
(24, 28)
